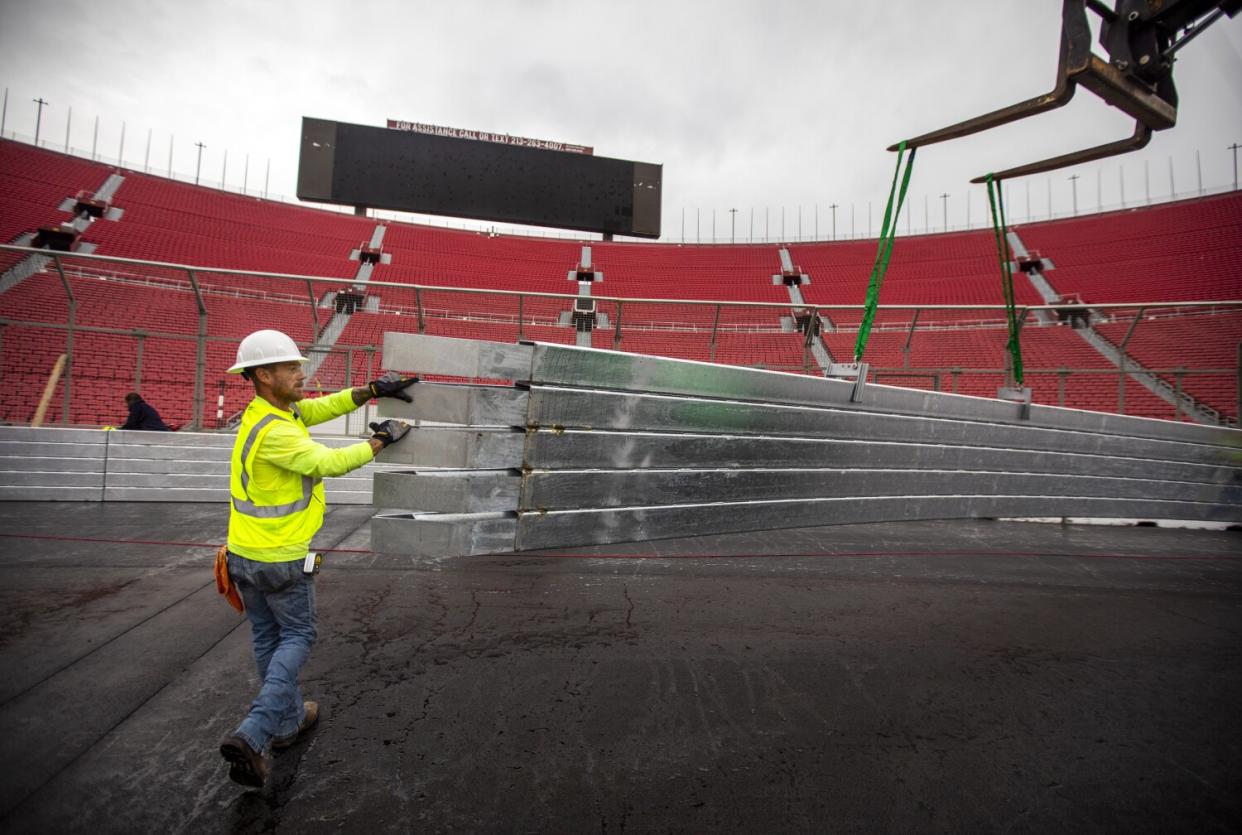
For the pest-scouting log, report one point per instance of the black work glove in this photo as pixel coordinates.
(389, 431)
(392, 384)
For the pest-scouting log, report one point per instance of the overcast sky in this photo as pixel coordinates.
(747, 103)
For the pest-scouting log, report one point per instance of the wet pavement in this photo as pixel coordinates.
(930, 677)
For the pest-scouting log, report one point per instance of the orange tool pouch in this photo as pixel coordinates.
(223, 584)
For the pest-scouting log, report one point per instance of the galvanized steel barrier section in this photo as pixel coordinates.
(593, 447)
(92, 465)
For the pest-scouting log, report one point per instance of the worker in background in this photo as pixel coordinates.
(142, 415)
(276, 486)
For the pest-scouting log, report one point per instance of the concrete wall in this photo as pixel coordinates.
(93, 465)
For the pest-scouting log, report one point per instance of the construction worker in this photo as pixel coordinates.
(277, 507)
(142, 415)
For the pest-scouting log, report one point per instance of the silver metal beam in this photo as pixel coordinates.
(578, 449)
(570, 366)
(448, 491)
(594, 447)
(559, 409)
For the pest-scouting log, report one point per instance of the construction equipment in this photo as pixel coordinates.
(1141, 38)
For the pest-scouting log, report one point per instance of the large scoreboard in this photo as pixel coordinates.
(427, 173)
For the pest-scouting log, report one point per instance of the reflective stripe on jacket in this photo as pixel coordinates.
(276, 476)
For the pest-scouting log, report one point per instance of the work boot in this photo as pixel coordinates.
(246, 765)
(308, 721)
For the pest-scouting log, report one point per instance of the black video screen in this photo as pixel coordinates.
(386, 168)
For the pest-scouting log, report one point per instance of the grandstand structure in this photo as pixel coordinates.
(148, 284)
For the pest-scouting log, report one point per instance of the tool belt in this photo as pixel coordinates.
(223, 584)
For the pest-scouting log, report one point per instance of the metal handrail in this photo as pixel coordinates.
(627, 300)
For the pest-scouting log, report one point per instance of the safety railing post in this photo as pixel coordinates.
(200, 356)
(812, 328)
(616, 333)
(366, 411)
(711, 351)
(310, 292)
(1121, 385)
(140, 336)
(418, 309)
(1238, 372)
(1062, 374)
(521, 314)
(349, 380)
(905, 349)
(1177, 392)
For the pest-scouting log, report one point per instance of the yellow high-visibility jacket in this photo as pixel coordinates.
(276, 476)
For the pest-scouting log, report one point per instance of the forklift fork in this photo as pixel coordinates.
(1141, 86)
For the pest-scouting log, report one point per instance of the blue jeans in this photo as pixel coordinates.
(280, 603)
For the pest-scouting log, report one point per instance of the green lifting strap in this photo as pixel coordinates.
(1000, 229)
(885, 248)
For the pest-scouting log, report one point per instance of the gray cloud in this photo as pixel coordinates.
(747, 103)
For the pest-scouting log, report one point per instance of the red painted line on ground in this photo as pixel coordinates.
(817, 554)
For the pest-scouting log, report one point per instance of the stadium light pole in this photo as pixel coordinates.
(1073, 178)
(944, 202)
(39, 116)
(833, 206)
(732, 226)
(1234, 148)
(199, 164)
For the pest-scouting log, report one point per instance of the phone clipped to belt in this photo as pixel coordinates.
(312, 563)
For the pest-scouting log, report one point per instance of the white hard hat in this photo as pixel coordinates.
(264, 347)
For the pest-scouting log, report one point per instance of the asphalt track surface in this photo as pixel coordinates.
(925, 677)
